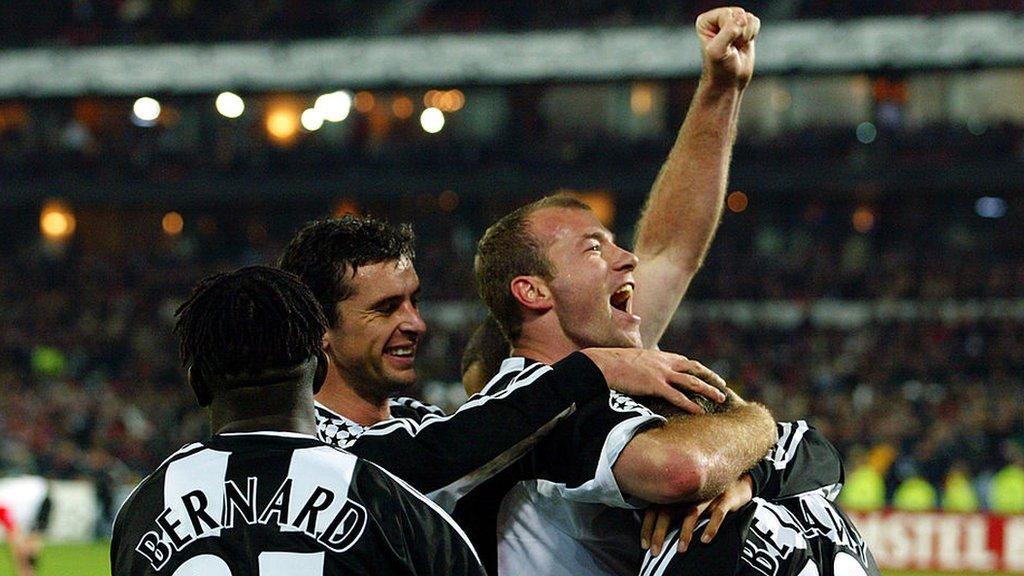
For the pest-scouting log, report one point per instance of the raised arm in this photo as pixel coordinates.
(685, 203)
(693, 458)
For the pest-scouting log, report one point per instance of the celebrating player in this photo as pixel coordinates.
(573, 287)
(362, 273)
(263, 495)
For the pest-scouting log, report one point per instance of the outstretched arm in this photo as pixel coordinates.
(685, 203)
(694, 457)
(446, 456)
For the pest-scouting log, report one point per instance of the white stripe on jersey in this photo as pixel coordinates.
(182, 450)
(790, 435)
(319, 467)
(508, 366)
(204, 471)
(272, 433)
(291, 563)
(656, 565)
(419, 496)
(525, 378)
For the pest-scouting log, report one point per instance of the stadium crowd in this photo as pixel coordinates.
(88, 22)
(92, 388)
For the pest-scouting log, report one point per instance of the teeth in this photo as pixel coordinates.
(622, 298)
(401, 351)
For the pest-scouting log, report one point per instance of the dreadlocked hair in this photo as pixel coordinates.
(325, 254)
(247, 321)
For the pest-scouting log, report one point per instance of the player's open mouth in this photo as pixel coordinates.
(622, 299)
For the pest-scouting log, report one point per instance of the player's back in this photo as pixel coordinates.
(805, 535)
(269, 503)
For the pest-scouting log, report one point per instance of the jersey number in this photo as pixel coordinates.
(271, 564)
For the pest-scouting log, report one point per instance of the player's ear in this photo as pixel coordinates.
(532, 293)
(199, 386)
(320, 376)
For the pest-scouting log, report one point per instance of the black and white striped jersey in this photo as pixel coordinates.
(793, 527)
(276, 503)
(559, 511)
(446, 456)
(339, 431)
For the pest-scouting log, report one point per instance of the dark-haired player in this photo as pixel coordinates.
(486, 349)
(263, 495)
(361, 271)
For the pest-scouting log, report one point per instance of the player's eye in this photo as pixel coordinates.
(388, 307)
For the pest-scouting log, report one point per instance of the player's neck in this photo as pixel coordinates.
(283, 407)
(543, 347)
(342, 398)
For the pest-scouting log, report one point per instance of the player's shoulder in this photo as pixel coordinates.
(153, 482)
(514, 372)
(404, 407)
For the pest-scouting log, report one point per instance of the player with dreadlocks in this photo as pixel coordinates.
(263, 495)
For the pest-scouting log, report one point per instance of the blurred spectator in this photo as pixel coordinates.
(915, 494)
(958, 494)
(1008, 483)
(93, 389)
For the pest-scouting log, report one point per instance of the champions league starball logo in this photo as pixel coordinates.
(623, 403)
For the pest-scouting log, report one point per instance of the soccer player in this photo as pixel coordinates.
(793, 529)
(361, 271)
(263, 495)
(486, 350)
(23, 555)
(573, 287)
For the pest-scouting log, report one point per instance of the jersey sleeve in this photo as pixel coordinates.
(416, 528)
(445, 457)
(575, 461)
(803, 460)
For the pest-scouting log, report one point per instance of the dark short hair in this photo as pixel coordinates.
(508, 249)
(326, 253)
(248, 321)
(487, 346)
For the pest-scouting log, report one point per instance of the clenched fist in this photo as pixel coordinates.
(727, 40)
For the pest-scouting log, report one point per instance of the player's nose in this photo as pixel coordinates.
(412, 322)
(624, 259)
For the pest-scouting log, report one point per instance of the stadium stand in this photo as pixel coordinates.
(868, 274)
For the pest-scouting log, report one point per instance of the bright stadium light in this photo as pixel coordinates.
(334, 107)
(312, 120)
(56, 221)
(282, 124)
(990, 207)
(146, 109)
(432, 120)
(172, 223)
(866, 132)
(230, 105)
